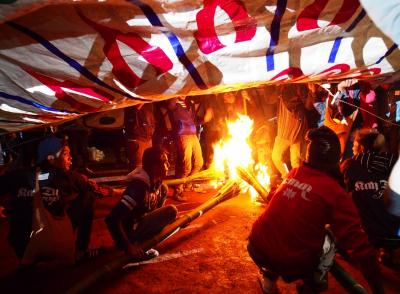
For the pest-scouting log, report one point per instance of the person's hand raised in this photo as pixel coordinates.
(345, 84)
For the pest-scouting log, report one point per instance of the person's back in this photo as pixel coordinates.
(366, 176)
(287, 239)
(291, 113)
(139, 122)
(296, 217)
(292, 125)
(182, 116)
(139, 126)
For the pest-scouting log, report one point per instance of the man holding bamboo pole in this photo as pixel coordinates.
(140, 213)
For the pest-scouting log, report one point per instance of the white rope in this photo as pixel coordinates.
(360, 108)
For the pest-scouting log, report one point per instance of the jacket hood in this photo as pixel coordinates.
(376, 162)
(139, 174)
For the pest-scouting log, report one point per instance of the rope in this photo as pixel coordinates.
(362, 109)
(377, 116)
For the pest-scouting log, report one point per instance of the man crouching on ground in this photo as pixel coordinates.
(140, 213)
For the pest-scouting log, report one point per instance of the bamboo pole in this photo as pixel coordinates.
(227, 191)
(205, 175)
(346, 280)
(252, 181)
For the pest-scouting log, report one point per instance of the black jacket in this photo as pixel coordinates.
(366, 177)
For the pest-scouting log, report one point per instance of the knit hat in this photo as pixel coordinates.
(323, 149)
(48, 146)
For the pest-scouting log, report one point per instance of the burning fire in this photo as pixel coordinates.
(262, 177)
(235, 151)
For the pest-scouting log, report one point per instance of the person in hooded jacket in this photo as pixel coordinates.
(140, 214)
(287, 239)
(366, 176)
(63, 192)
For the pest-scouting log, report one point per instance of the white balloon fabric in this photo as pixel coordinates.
(62, 59)
(386, 16)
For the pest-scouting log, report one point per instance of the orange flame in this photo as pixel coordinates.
(236, 151)
(261, 172)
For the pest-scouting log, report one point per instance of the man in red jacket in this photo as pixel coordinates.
(287, 240)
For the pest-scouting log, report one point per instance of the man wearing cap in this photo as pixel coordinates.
(287, 240)
(62, 191)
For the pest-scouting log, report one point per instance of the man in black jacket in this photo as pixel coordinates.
(366, 177)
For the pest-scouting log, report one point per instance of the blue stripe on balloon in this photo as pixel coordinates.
(71, 62)
(30, 102)
(359, 17)
(338, 40)
(335, 49)
(173, 39)
(391, 49)
(275, 29)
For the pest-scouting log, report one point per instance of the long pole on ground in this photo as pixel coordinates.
(249, 177)
(205, 175)
(347, 281)
(227, 191)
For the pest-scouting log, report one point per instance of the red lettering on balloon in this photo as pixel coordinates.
(291, 73)
(153, 55)
(58, 86)
(361, 73)
(206, 36)
(308, 18)
(333, 71)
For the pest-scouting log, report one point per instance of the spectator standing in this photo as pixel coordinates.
(189, 154)
(139, 128)
(78, 140)
(292, 125)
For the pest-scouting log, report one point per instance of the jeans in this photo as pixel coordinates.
(153, 222)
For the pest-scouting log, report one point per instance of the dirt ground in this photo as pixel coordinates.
(208, 256)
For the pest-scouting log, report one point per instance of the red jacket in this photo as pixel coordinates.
(290, 233)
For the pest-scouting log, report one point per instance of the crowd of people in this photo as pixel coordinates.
(330, 158)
